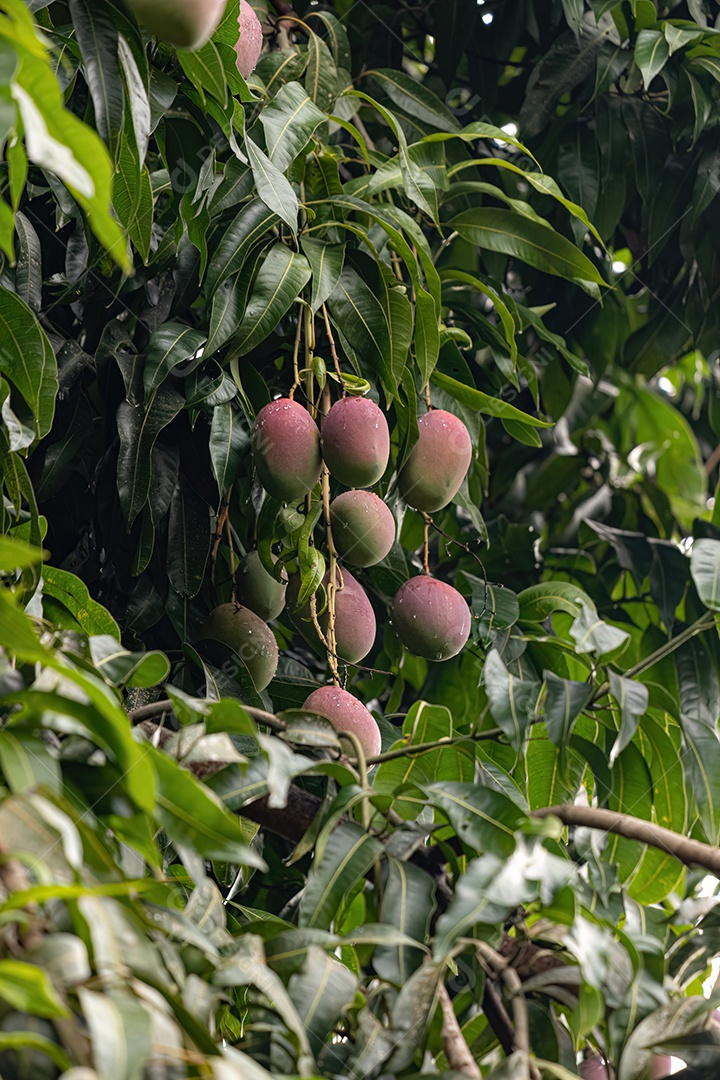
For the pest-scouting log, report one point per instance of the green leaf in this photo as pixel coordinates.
(539, 601)
(189, 535)
(138, 428)
(103, 720)
(281, 278)
(511, 700)
(59, 141)
(414, 99)
(29, 1040)
(133, 198)
(26, 763)
(27, 360)
(424, 723)
(705, 570)
(98, 40)
(484, 403)
(229, 443)
(321, 991)
(205, 70)
(348, 855)
(564, 701)
(419, 188)
(170, 345)
(321, 77)
(678, 37)
(408, 903)
(491, 887)
(508, 323)
(359, 312)
(17, 555)
(538, 245)
(250, 225)
(192, 814)
(651, 54)
(273, 188)
(633, 698)
(326, 262)
(73, 594)
(123, 668)
(483, 819)
(28, 989)
(592, 634)
(289, 122)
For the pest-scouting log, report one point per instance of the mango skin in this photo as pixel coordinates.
(346, 713)
(249, 636)
(438, 463)
(355, 625)
(286, 450)
(258, 590)
(356, 442)
(186, 24)
(250, 43)
(431, 618)
(363, 528)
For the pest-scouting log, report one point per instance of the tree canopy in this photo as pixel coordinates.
(504, 211)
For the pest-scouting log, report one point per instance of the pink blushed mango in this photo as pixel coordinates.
(356, 442)
(346, 713)
(250, 42)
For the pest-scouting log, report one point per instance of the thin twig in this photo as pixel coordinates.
(217, 538)
(698, 627)
(424, 748)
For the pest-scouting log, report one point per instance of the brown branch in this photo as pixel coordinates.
(498, 1018)
(456, 1049)
(687, 851)
(162, 708)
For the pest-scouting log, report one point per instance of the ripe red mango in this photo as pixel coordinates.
(355, 625)
(431, 618)
(250, 42)
(286, 449)
(346, 713)
(438, 463)
(356, 442)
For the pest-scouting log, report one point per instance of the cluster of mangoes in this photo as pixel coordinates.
(430, 617)
(189, 24)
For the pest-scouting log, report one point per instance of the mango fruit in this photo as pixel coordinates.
(431, 618)
(248, 636)
(438, 463)
(355, 625)
(250, 43)
(356, 442)
(258, 590)
(346, 713)
(186, 24)
(363, 527)
(286, 450)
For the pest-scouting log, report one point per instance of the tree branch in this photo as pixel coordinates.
(687, 851)
(456, 1049)
(163, 708)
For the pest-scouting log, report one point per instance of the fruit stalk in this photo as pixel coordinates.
(332, 557)
(333, 348)
(426, 543)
